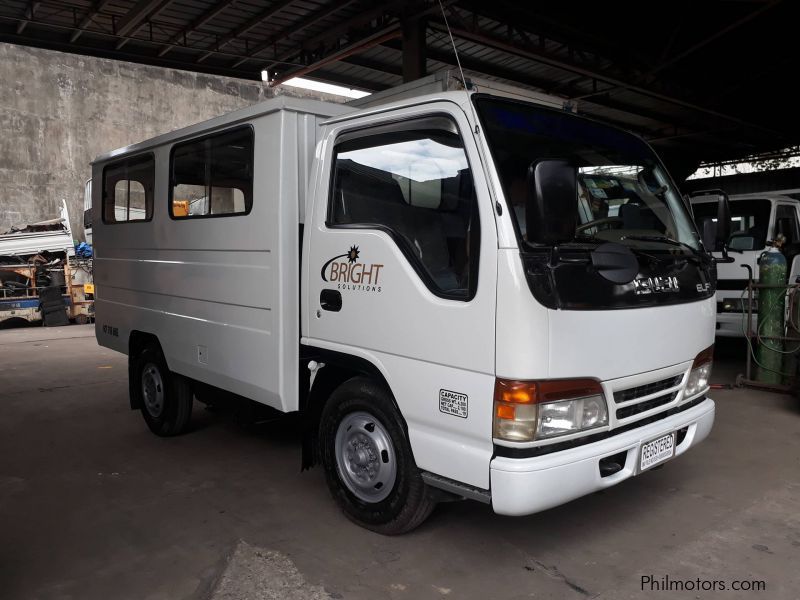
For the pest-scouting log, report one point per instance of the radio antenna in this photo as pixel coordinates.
(458, 62)
(453, 42)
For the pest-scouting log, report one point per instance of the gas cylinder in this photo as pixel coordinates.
(769, 355)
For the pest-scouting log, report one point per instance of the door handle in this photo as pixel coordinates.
(330, 300)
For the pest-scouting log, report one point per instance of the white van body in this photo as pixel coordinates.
(760, 211)
(87, 211)
(235, 303)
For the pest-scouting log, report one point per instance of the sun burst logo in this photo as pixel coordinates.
(349, 273)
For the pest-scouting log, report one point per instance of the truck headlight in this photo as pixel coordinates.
(525, 411)
(700, 373)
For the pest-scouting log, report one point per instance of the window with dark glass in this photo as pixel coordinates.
(749, 221)
(213, 176)
(624, 194)
(786, 223)
(128, 190)
(417, 186)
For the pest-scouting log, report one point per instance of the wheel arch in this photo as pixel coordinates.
(138, 341)
(339, 368)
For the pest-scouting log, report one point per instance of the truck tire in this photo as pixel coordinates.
(165, 397)
(368, 462)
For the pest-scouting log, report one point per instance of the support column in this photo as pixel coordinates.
(413, 49)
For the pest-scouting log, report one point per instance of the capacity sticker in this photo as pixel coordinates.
(453, 403)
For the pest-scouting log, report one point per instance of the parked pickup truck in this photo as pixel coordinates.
(467, 293)
(756, 219)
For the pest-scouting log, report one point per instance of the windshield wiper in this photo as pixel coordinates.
(659, 238)
(696, 255)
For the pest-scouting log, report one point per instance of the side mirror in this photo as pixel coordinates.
(709, 233)
(722, 231)
(552, 208)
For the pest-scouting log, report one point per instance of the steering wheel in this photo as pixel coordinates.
(610, 222)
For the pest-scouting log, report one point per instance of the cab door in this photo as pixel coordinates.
(401, 271)
(788, 224)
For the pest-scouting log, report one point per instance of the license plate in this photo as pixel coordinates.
(657, 451)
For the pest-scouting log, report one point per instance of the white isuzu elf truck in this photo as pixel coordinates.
(756, 220)
(467, 294)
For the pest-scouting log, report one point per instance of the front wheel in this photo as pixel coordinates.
(368, 462)
(165, 398)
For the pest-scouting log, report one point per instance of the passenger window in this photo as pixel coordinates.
(417, 186)
(786, 223)
(213, 176)
(128, 190)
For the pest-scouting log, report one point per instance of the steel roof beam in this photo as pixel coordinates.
(712, 38)
(544, 58)
(95, 10)
(295, 28)
(53, 43)
(269, 12)
(414, 45)
(555, 30)
(335, 31)
(34, 41)
(31, 10)
(377, 38)
(668, 62)
(542, 84)
(199, 22)
(143, 11)
(373, 65)
(358, 19)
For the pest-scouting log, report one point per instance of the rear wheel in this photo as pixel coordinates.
(368, 462)
(165, 398)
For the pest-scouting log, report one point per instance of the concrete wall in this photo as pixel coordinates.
(59, 111)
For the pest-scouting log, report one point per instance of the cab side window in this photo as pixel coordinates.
(128, 190)
(786, 223)
(416, 185)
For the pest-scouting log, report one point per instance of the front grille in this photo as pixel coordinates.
(640, 407)
(645, 390)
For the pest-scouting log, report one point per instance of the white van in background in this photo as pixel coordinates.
(437, 280)
(756, 219)
(87, 211)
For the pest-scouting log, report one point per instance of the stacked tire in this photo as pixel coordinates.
(52, 307)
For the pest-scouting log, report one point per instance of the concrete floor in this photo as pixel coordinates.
(94, 506)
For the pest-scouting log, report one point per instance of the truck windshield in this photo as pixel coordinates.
(624, 193)
(749, 221)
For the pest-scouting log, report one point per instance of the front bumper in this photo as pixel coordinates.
(522, 486)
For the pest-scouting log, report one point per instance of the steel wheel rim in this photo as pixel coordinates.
(153, 390)
(365, 457)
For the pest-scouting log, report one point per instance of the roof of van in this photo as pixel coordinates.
(289, 103)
